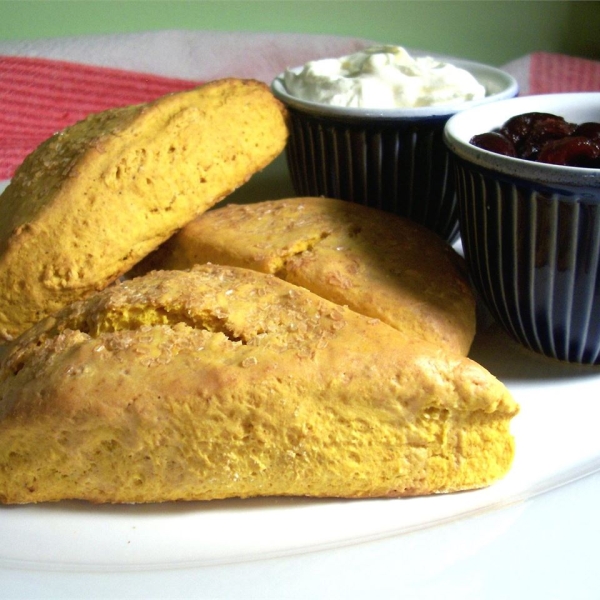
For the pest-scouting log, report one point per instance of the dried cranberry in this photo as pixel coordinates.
(494, 142)
(519, 126)
(545, 137)
(589, 130)
(572, 152)
(542, 131)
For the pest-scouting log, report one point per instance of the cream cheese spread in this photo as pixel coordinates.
(383, 77)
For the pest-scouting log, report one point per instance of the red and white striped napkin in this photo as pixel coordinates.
(47, 84)
(39, 96)
(556, 73)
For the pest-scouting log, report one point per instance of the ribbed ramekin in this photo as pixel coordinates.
(391, 159)
(531, 231)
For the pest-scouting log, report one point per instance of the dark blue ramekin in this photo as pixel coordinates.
(391, 159)
(531, 232)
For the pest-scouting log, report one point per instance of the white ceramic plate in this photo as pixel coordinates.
(420, 547)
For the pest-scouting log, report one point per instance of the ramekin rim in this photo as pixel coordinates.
(510, 88)
(458, 143)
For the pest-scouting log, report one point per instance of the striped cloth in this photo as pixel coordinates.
(39, 97)
(551, 73)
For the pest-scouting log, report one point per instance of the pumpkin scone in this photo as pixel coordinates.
(224, 382)
(378, 264)
(95, 198)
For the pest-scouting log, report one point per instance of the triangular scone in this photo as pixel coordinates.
(225, 382)
(94, 199)
(378, 264)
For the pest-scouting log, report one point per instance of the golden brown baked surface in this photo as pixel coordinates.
(95, 198)
(378, 264)
(225, 382)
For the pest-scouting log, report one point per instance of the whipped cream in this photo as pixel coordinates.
(383, 77)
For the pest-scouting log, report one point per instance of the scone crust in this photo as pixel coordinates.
(224, 382)
(97, 197)
(378, 264)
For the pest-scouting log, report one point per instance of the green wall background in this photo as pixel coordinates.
(489, 31)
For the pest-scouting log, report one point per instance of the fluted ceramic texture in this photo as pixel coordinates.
(401, 168)
(533, 254)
